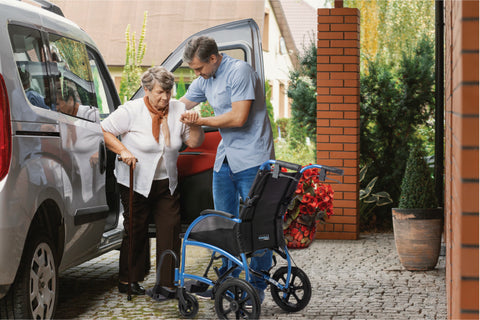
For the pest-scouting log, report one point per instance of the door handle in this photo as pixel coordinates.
(102, 157)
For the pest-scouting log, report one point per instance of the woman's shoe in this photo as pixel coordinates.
(136, 288)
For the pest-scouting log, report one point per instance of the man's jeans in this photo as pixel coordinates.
(228, 188)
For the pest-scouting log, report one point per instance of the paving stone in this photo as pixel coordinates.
(358, 279)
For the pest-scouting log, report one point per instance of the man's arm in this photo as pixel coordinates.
(233, 119)
(188, 104)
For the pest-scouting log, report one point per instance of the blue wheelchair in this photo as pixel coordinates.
(259, 226)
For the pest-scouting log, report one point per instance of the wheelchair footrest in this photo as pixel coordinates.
(194, 286)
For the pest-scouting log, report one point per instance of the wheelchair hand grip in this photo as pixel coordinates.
(288, 165)
(333, 170)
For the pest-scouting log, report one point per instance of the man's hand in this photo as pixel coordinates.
(191, 118)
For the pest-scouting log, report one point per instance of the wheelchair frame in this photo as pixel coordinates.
(238, 294)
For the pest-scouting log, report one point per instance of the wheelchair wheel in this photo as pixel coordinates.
(299, 291)
(237, 299)
(189, 308)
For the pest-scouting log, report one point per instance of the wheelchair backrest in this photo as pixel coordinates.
(262, 213)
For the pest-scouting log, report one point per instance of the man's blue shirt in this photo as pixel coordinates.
(235, 80)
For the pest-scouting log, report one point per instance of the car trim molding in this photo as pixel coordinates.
(37, 133)
(91, 214)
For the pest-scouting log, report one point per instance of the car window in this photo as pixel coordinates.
(30, 57)
(73, 80)
(104, 99)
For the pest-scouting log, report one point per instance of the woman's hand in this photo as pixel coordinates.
(128, 158)
(191, 117)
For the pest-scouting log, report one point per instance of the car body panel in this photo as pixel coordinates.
(46, 167)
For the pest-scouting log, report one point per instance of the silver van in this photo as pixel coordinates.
(59, 203)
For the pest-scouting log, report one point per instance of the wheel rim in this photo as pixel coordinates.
(190, 307)
(237, 299)
(42, 282)
(298, 293)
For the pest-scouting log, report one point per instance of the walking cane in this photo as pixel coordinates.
(130, 232)
(130, 235)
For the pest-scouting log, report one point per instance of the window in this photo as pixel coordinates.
(30, 57)
(104, 99)
(72, 77)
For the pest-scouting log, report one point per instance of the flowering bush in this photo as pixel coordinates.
(313, 201)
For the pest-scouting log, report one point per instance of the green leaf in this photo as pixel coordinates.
(363, 172)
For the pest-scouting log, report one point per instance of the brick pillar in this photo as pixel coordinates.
(338, 114)
(461, 158)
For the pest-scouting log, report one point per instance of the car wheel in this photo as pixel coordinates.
(34, 294)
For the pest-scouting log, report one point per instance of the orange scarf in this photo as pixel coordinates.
(159, 117)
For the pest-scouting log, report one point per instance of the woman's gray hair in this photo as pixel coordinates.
(159, 75)
(202, 47)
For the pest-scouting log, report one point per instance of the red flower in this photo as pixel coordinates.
(312, 203)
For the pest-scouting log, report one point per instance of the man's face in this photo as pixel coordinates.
(204, 69)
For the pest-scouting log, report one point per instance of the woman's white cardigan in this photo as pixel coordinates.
(133, 124)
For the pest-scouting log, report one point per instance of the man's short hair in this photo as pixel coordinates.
(202, 47)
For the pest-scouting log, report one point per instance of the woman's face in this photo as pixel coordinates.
(158, 97)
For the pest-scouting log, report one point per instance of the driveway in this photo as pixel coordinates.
(351, 279)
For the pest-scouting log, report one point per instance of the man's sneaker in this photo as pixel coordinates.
(205, 295)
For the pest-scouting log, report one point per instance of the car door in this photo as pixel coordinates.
(240, 40)
(78, 108)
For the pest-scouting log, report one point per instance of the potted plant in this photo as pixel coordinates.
(417, 222)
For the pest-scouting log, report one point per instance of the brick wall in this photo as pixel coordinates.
(461, 158)
(338, 114)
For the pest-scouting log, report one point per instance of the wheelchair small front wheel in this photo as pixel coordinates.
(189, 306)
(299, 291)
(237, 299)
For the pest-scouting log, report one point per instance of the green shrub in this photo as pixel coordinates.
(206, 110)
(282, 124)
(418, 186)
(302, 90)
(396, 100)
(268, 102)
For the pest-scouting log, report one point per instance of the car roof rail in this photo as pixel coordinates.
(47, 5)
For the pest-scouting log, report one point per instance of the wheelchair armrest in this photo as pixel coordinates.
(222, 213)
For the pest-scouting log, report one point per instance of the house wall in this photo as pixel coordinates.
(461, 158)
(338, 114)
(277, 64)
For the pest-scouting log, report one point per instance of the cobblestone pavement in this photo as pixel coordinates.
(351, 279)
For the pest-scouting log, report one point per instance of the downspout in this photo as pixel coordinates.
(439, 102)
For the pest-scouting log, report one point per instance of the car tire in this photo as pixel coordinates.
(34, 294)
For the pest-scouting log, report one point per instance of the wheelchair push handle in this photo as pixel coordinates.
(280, 164)
(288, 165)
(326, 168)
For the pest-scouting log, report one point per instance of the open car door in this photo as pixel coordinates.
(240, 40)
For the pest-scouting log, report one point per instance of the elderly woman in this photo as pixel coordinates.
(152, 130)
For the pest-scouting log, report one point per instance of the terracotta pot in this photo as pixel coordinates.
(418, 235)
